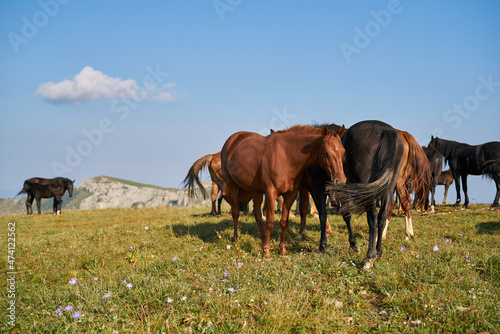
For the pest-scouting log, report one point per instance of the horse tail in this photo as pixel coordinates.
(418, 169)
(491, 168)
(192, 176)
(355, 197)
(24, 190)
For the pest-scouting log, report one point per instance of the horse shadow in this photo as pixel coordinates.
(488, 227)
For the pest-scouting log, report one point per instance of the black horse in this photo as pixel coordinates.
(465, 159)
(436, 161)
(372, 162)
(38, 188)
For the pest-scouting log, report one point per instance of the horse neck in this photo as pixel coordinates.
(449, 149)
(309, 146)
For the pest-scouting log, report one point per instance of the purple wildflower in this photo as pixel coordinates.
(436, 248)
(77, 315)
(72, 281)
(403, 248)
(226, 273)
(106, 296)
(175, 258)
(68, 308)
(59, 310)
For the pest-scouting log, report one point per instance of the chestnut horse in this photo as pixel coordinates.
(254, 165)
(415, 169)
(213, 164)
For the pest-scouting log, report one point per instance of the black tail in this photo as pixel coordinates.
(355, 197)
(24, 190)
(491, 168)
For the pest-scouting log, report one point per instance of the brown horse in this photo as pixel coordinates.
(254, 165)
(415, 169)
(445, 179)
(211, 162)
(37, 188)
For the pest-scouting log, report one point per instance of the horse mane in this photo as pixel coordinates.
(450, 148)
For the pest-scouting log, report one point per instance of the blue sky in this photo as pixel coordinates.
(140, 90)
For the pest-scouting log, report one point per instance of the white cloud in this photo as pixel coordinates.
(90, 84)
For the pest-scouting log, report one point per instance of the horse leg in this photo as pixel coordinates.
(270, 200)
(29, 203)
(213, 197)
(433, 192)
(406, 204)
(457, 187)
(219, 202)
(352, 237)
(464, 186)
(257, 212)
(390, 207)
(39, 204)
(303, 205)
(287, 206)
(446, 187)
(231, 195)
(58, 204)
(371, 217)
(496, 178)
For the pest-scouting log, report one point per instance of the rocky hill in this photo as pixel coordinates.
(103, 192)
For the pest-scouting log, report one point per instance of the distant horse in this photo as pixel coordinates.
(445, 179)
(374, 154)
(38, 188)
(465, 159)
(253, 165)
(415, 171)
(436, 161)
(213, 163)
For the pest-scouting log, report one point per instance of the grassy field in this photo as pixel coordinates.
(175, 270)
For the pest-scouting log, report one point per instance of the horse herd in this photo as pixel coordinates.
(356, 167)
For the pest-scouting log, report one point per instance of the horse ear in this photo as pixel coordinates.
(341, 131)
(272, 131)
(324, 131)
(73, 181)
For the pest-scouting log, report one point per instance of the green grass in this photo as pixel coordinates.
(455, 289)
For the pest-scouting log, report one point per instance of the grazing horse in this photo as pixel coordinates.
(213, 163)
(372, 164)
(415, 170)
(445, 179)
(436, 161)
(465, 159)
(254, 165)
(38, 188)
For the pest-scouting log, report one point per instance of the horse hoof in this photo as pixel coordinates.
(300, 236)
(322, 248)
(235, 239)
(369, 264)
(355, 249)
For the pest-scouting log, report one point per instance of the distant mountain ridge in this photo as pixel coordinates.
(102, 192)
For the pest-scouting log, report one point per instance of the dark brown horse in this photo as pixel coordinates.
(445, 179)
(254, 165)
(372, 163)
(38, 188)
(211, 162)
(465, 159)
(415, 170)
(436, 161)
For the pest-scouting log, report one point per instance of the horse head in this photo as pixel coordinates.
(332, 154)
(69, 186)
(433, 144)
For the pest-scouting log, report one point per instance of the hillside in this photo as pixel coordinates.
(103, 192)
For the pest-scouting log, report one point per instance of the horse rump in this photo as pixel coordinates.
(355, 197)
